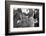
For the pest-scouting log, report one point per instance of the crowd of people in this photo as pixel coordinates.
(23, 19)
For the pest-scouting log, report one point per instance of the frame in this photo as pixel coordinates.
(11, 6)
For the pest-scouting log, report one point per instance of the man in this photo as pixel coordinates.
(17, 17)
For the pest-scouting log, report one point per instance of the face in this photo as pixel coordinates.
(27, 11)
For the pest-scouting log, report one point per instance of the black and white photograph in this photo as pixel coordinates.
(24, 17)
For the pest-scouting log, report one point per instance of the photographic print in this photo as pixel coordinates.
(24, 17)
